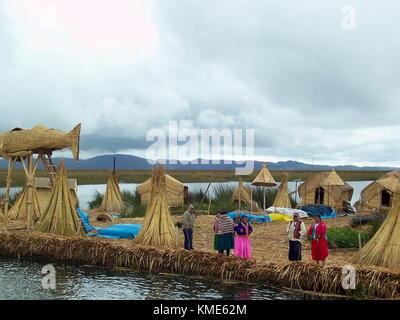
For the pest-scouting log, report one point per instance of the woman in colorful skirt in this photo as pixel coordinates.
(216, 225)
(319, 244)
(242, 239)
(225, 233)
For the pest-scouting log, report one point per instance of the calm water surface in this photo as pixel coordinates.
(20, 280)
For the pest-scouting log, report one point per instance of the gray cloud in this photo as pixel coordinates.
(309, 88)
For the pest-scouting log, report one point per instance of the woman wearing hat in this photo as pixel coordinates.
(319, 244)
(296, 230)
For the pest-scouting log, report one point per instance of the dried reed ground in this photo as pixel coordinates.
(269, 240)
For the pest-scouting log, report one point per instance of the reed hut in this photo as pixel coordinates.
(60, 216)
(383, 249)
(176, 191)
(379, 194)
(158, 227)
(243, 194)
(43, 188)
(282, 199)
(325, 188)
(264, 179)
(112, 200)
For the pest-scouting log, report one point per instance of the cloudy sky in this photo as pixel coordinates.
(310, 88)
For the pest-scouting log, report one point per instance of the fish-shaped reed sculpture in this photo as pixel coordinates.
(20, 142)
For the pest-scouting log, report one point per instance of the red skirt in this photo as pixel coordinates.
(319, 249)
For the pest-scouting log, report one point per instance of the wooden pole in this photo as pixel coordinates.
(209, 206)
(239, 201)
(11, 164)
(264, 200)
(251, 199)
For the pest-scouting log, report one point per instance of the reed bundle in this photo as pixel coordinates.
(383, 250)
(370, 282)
(158, 227)
(112, 200)
(60, 216)
(282, 199)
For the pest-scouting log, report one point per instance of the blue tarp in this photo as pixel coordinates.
(117, 231)
(250, 217)
(323, 211)
(85, 220)
(120, 231)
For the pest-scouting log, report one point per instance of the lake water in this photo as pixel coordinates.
(86, 192)
(20, 280)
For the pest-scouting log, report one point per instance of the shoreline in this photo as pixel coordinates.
(87, 177)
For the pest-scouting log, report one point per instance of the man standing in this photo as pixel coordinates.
(187, 226)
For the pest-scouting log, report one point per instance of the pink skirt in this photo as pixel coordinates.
(243, 247)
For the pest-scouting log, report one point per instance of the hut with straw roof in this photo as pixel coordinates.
(60, 216)
(379, 194)
(282, 199)
(158, 227)
(325, 188)
(264, 179)
(383, 249)
(176, 191)
(112, 200)
(43, 188)
(243, 195)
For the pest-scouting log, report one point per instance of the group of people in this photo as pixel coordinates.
(235, 234)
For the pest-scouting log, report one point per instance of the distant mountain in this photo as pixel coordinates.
(128, 162)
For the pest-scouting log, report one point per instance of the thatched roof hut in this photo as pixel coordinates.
(60, 216)
(282, 199)
(383, 249)
(158, 227)
(176, 191)
(264, 178)
(112, 200)
(43, 189)
(325, 188)
(243, 195)
(380, 193)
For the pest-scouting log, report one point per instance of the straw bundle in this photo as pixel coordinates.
(282, 199)
(383, 250)
(175, 191)
(19, 142)
(243, 194)
(112, 200)
(20, 209)
(60, 216)
(158, 227)
(328, 279)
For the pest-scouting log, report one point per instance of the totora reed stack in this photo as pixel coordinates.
(383, 250)
(158, 227)
(112, 200)
(60, 217)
